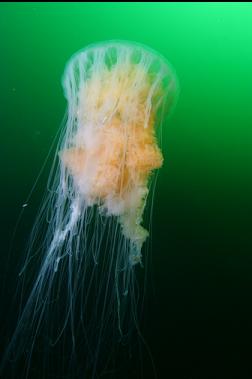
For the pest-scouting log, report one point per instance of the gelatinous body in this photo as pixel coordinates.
(117, 92)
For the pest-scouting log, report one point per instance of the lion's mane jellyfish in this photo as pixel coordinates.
(89, 234)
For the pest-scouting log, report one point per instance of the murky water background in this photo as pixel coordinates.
(198, 318)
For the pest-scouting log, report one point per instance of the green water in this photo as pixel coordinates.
(199, 320)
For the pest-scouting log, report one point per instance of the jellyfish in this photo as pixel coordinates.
(89, 234)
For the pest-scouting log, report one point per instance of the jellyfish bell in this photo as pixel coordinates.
(89, 232)
(117, 93)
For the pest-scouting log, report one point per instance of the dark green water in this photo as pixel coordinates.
(198, 323)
